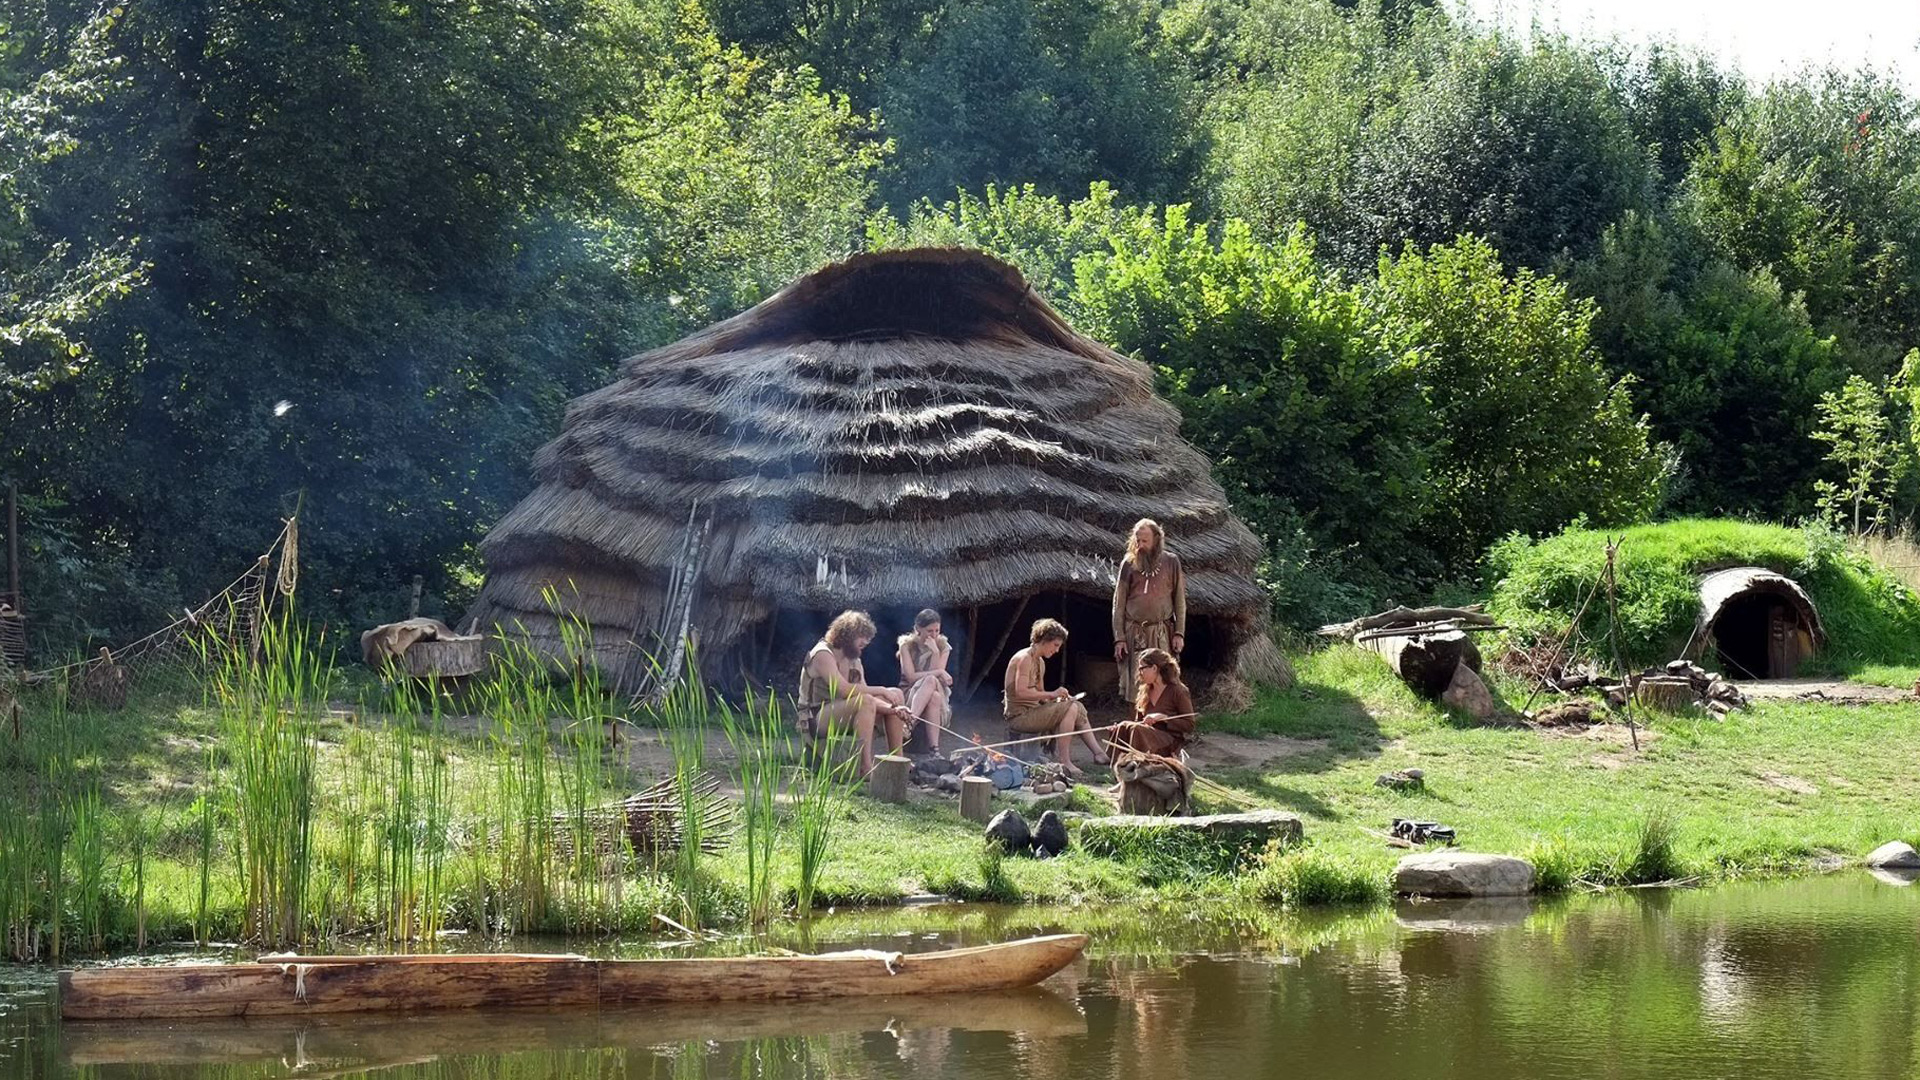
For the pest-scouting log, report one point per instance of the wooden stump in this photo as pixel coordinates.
(889, 780)
(976, 798)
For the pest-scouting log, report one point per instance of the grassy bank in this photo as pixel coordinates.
(1871, 615)
(373, 818)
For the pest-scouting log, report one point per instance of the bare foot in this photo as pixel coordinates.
(1071, 770)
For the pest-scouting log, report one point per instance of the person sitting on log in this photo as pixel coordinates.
(1032, 710)
(923, 675)
(1163, 715)
(1149, 601)
(834, 690)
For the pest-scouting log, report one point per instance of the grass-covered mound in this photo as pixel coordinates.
(1870, 616)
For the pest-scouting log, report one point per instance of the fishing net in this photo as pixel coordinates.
(231, 618)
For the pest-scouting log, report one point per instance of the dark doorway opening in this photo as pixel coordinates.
(1759, 635)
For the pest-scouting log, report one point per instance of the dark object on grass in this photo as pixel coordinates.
(1421, 832)
(1402, 780)
(1570, 713)
(1051, 835)
(1009, 831)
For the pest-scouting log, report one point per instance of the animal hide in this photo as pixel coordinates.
(1151, 784)
(388, 641)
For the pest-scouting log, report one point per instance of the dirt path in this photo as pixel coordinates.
(1835, 691)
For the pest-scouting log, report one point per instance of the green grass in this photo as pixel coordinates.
(1768, 790)
(1870, 615)
(127, 823)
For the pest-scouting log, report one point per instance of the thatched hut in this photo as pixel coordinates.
(898, 430)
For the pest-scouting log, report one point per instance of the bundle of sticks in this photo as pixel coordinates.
(651, 822)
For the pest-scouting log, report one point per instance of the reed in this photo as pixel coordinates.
(822, 785)
(267, 717)
(684, 713)
(760, 747)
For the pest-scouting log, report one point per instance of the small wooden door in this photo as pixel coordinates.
(1783, 643)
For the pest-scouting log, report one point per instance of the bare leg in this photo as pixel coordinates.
(926, 706)
(863, 733)
(1063, 745)
(896, 732)
(1085, 729)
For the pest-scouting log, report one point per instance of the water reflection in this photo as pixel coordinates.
(1804, 980)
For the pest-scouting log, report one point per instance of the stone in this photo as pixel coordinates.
(1894, 855)
(1469, 694)
(948, 783)
(1050, 835)
(1403, 780)
(1253, 829)
(1460, 873)
(1009, 830)
(936, 765)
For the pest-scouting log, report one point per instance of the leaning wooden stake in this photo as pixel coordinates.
(1613, 635)
(888, 781)
(976, 798)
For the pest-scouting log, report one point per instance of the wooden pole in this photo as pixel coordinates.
(888, 782)
(973, 631)
(13, 549)
(976, 798)
(1619, 653)
(987, 664)
(413, 605)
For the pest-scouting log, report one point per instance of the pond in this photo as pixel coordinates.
(1806, 979)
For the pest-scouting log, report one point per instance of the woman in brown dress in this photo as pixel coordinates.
(1149, 601)
(1163, 717)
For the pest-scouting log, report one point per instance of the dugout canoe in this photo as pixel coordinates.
(309, 985)
(374, 1040)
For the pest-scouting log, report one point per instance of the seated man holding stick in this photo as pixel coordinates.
(834, 690)
(1031, 710)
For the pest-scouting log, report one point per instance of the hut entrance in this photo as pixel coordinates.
(1758, 624)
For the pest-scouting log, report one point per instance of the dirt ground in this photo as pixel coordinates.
(1836, 691)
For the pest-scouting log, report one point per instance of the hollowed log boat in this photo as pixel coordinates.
(307, 985)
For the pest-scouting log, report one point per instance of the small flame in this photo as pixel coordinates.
(994, 757)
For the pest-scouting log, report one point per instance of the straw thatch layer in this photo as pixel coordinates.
(921, 418)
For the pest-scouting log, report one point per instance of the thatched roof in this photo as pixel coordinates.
(922, 417)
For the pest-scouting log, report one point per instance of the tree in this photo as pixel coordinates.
(50, 286)
(1854, 425)
(1527, 430)
(1812, 181)
(1724, 361)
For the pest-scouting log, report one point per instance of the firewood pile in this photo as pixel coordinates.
(1679, 684)
(649, 821)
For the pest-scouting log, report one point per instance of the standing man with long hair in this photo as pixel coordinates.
(1149, 601)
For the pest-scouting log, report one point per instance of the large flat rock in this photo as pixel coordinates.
(1462, 873)
(1258, 826)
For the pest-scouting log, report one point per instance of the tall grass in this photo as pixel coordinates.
(268, 711)
(822, 784)
(760, 747)
(684, 714)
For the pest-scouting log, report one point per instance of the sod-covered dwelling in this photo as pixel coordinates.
(900, 430)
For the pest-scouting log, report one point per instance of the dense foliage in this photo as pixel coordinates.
(1414, 283)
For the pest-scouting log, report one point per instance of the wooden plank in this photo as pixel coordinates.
(319, 985)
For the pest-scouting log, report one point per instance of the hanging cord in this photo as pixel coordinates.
(289, 578)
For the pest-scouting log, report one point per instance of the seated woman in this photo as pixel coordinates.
(923, 675)
(1162, 708)
(1031, 710)
(834, 690)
